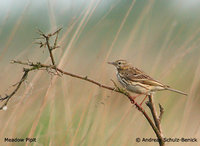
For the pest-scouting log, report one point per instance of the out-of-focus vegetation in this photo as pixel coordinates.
(160, 37)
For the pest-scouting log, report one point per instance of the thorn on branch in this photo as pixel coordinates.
(41, 33)
(57, 31)
(3, 98)
(15, 84)
(55, 48)
(41, 44)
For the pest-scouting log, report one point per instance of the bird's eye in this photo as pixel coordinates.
(119, 63)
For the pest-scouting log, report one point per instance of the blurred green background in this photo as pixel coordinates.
(160, 37)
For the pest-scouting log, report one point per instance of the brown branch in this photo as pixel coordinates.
(47, 37)
(56, 39)
(161, 112)
(50, 51)
(152, 108)
(8, 97)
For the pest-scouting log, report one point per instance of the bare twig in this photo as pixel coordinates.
(161, 112)
(8, 97)
(152, 108)
(47, 43)
(56, 39)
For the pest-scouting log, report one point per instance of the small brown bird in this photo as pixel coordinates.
(137, 81)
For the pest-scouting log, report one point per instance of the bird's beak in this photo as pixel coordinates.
(113, 63)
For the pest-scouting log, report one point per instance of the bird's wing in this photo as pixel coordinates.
(136, 75)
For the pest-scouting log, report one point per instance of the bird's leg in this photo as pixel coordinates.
(143, 100)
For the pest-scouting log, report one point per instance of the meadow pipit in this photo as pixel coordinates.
(137, 81)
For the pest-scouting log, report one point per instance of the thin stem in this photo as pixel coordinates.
(8, 97)
(161, 112)
(157, 122)
(50, 50)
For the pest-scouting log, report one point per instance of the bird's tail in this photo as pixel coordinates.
(177, 91)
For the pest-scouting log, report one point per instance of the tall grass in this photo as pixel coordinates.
(66, 111)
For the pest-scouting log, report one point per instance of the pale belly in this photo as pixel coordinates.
(138, 88)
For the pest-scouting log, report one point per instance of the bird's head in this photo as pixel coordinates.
(120, 64)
